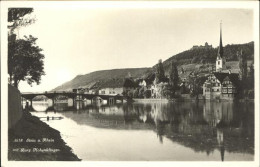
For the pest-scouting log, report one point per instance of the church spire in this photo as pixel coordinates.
(220, 48)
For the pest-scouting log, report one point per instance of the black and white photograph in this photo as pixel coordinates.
(167, 82)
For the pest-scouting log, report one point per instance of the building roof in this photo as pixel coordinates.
(115, 83)
(233, 77)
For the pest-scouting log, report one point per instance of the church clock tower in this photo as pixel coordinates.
(220, 61)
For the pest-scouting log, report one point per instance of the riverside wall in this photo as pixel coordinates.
(14, 106)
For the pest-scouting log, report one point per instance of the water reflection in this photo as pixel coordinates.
(211, 128)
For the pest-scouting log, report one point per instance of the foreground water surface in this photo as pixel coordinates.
(184, 131)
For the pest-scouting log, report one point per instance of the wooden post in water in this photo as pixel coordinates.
(27, 106)
(31, 103)
(73, 102)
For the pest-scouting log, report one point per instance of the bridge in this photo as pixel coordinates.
(111, 99)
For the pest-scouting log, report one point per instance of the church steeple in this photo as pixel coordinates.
(221, 61)
(220, 48)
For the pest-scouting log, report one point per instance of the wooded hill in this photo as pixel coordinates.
(89, 80)
(208, 56)
(190, 60)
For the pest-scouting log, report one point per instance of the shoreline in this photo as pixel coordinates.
(164, 100)
(33, 140)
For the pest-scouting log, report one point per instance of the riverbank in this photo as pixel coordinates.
(150, 100)
(33, 140)
(187, 99)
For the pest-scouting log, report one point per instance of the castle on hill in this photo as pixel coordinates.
(206, 46)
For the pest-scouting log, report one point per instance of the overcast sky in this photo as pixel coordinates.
(78, 40)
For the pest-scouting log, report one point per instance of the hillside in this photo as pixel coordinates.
(208, 56)
(200, 59)
(90, 79)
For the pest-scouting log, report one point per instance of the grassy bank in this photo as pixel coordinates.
(33, 140)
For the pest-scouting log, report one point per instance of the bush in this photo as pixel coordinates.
(130, 94)
(147, 93)
(141, 93)
(136, 93)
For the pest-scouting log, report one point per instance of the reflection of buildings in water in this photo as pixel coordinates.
(182, 123)
(160, 113)
(143, 117)
(218, 114)
(161, 117)
(79, 105)
(220, 139)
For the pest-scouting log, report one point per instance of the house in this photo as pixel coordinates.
(221, 86)
(142, 83)
(115, 86)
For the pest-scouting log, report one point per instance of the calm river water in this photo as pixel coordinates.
(185, 131)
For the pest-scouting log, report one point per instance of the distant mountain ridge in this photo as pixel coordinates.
(191, 59)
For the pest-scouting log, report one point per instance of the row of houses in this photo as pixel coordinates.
(113, 86)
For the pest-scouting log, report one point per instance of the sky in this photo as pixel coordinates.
(82, 40)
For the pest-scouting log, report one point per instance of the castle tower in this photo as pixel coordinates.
(220, 61)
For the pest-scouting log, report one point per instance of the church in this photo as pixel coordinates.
(221, 84)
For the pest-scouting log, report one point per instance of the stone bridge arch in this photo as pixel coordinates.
(97, 99)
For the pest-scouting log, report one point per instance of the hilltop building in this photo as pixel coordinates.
(206, 46)
(221, 84)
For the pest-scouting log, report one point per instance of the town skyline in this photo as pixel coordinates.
(94, 39)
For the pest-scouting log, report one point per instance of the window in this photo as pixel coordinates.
(217, 90)
(224, 90)
(218, 62)
(212, 90)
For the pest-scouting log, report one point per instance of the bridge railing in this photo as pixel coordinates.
(46, 92)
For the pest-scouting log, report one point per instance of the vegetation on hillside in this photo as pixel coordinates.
(208, 56)
(89, 80)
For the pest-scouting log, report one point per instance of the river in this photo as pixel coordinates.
(182, 131)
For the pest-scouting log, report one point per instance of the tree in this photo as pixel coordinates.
(25, 60)
(251, 77)
(242, 73)
(136, 93)
(16, 18)
(141, 93)
(167, 91)
(147, 93)
(193, 80)
(174, 77)
(242, 66)
(160, 76)
(130, 94)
